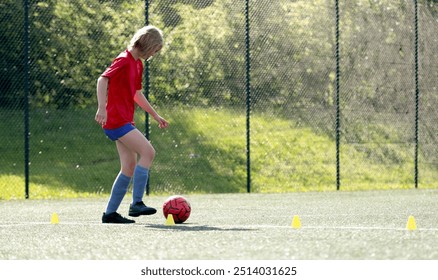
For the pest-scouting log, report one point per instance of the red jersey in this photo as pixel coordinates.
(125, 77)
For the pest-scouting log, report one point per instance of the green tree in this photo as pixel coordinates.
(72, 42)
(11, 53)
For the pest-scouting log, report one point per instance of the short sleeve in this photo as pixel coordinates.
(138, 82)
(115, 67)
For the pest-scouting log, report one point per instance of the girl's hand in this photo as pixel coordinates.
(162, 123)
(101, 116)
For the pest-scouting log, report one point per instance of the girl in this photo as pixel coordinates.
(118, 90)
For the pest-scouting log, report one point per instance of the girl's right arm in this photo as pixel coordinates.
(102, 89)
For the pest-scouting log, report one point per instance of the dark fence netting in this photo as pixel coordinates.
(378, 92)
(199, 79)
(428, 88)
(261, 96)
(293, 71)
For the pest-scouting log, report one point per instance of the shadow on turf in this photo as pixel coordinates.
(188, 227)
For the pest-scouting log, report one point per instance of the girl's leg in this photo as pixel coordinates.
(118, 191)
(121, 183)
(138, 144)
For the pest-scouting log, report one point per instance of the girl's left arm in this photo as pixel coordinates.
(141, 100)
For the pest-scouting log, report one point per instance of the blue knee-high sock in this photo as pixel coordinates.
(141, 175)
(120, 187)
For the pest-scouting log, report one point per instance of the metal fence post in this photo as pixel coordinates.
(338, 166)
(26, 95)
(248, 99)
(146, 88)
(417, 91)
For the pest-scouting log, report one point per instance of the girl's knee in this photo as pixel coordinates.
(128, 169)
(147, 157)
(152, 153)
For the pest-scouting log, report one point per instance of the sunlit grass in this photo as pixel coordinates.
(13, 187)
(203, 151)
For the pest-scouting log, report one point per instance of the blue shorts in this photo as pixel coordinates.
(116, 133)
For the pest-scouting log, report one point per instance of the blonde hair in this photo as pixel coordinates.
(147, 38)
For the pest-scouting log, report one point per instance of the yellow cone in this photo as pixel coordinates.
(54, 219)
(169, 220)
(296, 223)
(411, 225)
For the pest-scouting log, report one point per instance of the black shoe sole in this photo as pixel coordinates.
(132, 222)
(116, 220)
(137, 214)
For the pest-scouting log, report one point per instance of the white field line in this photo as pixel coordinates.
(11, 224)
(338, 227)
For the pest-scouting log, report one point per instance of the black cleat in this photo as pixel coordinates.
(115, 218)
(140, 209)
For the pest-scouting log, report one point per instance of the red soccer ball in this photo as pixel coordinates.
(179, 207)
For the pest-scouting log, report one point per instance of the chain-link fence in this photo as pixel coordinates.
(262, 96)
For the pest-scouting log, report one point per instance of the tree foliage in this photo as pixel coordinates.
(203, 61)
